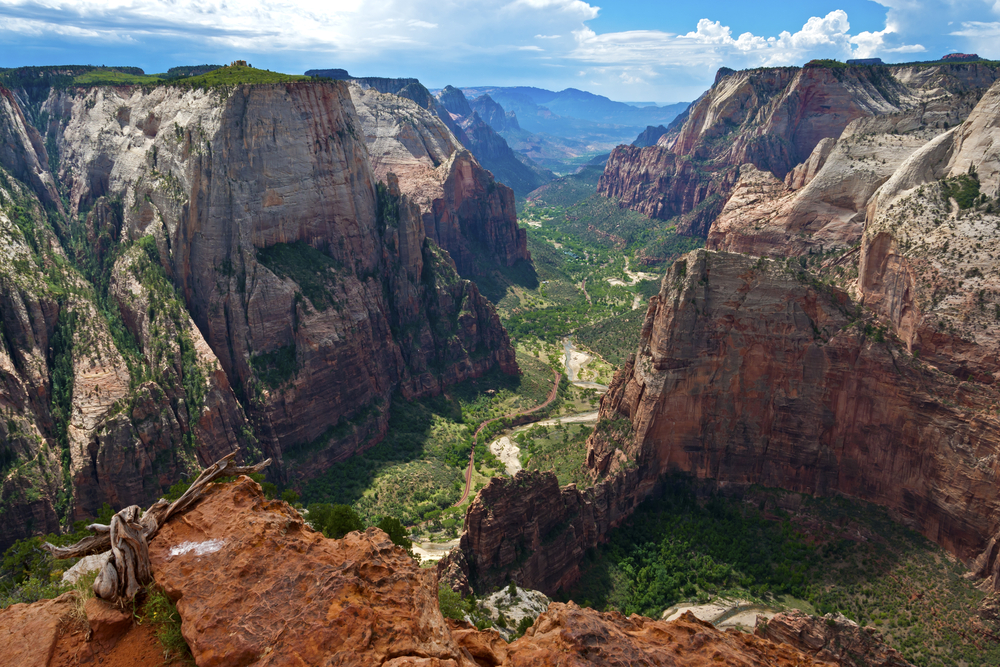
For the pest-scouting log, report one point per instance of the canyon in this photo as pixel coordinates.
(220, 269)
(776, 119)
(867, 371)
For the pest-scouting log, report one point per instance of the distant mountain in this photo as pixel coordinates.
(573, 103)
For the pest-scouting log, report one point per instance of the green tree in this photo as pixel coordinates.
(334, 520)
(397, 533)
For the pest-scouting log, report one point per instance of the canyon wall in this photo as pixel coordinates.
(774, 119)
(242, 281)
(464, 209)
(751, 373)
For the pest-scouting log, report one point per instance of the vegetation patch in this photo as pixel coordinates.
(417, 472)
(312, 270)
(561, 448)
(276, 367)
(964, 189)
(829, 554)
(161, 612)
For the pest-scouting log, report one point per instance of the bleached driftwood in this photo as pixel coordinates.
(131, 530)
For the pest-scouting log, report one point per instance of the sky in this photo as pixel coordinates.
(659, 52)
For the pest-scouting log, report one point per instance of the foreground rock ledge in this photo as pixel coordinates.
(255, 585)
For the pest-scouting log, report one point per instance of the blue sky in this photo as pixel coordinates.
(648, 51)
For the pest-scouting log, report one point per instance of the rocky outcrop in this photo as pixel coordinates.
(650, 136)
(803, 399)
(494, 114)
(255, 585)
(824, 205)
(22, 150)
(528, 530)
(660, 184)
(29, 633)
(773, 119)
(832, 638)
(490, 149)
(925, 266)
(299, 596)
(464, 210)
(569, 635)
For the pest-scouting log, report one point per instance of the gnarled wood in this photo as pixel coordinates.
(131, 530)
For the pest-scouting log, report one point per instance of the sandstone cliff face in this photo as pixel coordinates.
(773, 119)
(925, 261)
(528, 530)
(490, 149)
(241, 187)
(29, 314)
(494, 115)
(747, 374)
(238, 247)
(824, 205)
(91, 420)
(464, 210)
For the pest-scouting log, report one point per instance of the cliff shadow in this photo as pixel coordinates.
(692, 542)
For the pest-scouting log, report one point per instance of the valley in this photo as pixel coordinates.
(746, 367)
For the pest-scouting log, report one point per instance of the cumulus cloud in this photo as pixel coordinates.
(451, 41)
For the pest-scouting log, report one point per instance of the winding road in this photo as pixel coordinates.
(472, 454)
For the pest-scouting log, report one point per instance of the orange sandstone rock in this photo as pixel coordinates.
(254, 585)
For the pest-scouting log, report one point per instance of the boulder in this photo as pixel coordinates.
(832, 638)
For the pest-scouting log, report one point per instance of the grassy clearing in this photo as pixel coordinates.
(561, 448)
(824, 555)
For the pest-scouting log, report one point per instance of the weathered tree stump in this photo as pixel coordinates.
(131, 530)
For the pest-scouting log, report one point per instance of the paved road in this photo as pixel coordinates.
(472, 454)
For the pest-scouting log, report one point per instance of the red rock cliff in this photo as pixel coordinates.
(748, 373)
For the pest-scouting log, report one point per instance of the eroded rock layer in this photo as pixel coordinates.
(241, 283)
(774, 119)
(749, 373)
(254, 585)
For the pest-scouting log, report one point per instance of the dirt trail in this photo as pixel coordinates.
(472, 454)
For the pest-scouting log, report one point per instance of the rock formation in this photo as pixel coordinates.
(926, 261)
(492, 151)
(528, 530)
(774, 119)
(805, 398)
(825, 199)
(832, 638)
(569, 635)
(255, 585)
(650, 136)
(494, 114)
(463, 209)
(195, 325)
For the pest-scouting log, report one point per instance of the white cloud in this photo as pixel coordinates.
(577, 8)
(978, 29)
(444, 42)
(713, 42)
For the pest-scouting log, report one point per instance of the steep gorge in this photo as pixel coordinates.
(247, 283)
